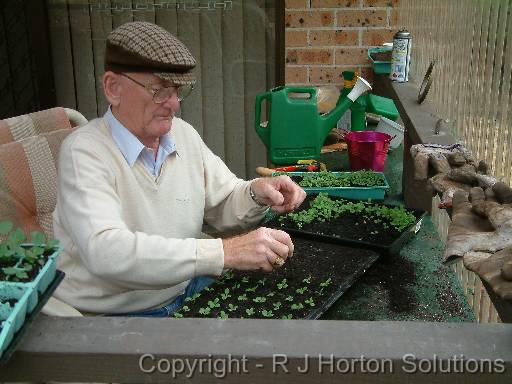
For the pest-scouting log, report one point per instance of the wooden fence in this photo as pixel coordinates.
(472, 86)
(232, 41)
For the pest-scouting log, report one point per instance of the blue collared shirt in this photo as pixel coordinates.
(132, 149)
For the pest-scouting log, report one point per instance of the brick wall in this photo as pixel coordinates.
(326, 37)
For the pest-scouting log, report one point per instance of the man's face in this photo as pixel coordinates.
(139, 113)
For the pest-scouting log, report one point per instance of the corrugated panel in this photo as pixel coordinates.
(473, 70)
(234, 45)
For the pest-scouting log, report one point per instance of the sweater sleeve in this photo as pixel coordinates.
(228, 204)
(90, 210)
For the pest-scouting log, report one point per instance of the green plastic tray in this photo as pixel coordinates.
(353, 193)
(380, 67)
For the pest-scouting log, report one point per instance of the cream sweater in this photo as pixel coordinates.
(130, 241)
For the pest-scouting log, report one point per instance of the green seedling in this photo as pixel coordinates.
(259, 299)
(262, 281)
(289, 298)
(223, 315)
(242, 297)
(283, 284)
(232, 307)
(252, 289)
(226, 294)
(297, 306)
(193, 297)
(277, 305)
(310, 302)
(307, 280)
(214, 303)
(271, 294)
(301, 290)
(250, 311)
(205, 311)
(185, 308)
(287, 317)
(245, 279)
(266, 313)
(178, 315)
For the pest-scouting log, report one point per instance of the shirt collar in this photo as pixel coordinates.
(129, 145)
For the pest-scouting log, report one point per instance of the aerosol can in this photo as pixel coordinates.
(401, 56)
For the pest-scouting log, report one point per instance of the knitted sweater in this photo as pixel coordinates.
(130, 241)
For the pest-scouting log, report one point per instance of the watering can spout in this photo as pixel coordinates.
(360, 87)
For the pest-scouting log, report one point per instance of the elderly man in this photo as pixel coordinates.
(136, 185)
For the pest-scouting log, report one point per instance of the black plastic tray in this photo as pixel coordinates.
(345, 265)
(43, 299)
(393, 248)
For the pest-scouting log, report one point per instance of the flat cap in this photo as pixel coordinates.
(140, 46)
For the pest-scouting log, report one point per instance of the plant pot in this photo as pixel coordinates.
(40, 283)
(13, 321)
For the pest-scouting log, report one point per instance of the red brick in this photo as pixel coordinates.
(327, 75)
(297, 75)
(351, 56)
(303, 19)
(296, 4)
(378, 36)
(338, 37)
(380, 3)
(334, 3)
(309, 56)
(366, 18)
(296, 38)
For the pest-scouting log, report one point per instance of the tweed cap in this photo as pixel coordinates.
(140, 46)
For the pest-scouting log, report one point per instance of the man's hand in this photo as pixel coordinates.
(262, 249)
(280, 192)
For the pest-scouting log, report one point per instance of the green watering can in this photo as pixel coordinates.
(295, 131)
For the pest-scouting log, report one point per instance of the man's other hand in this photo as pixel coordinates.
(280, 192)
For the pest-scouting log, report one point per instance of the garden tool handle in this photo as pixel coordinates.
(261, 130)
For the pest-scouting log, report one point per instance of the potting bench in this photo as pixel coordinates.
(127, 350)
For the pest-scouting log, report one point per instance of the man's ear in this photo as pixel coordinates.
(112, 88)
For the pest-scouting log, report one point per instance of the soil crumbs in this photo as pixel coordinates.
(414, 286)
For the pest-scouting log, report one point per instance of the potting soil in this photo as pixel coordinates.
(303, 288)
(414, 285)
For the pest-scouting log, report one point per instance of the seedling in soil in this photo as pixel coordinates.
(282, 284)
(185, 308)
(208, 289)
(259, 299)
(297, 306)
(245, 279)
(307, 280)
(232, 307)
(301, 290)
(253, 289)
(289, 298)
(267, 313)
(193, 297)
(236, 286)
(310, 302)
(242, 297)
(262, 281)
(223, 315)
(277, 305)
(250, 311)
(271, 294)
(214, 303)
(225, 295)
(287, 317)
(178, 315)
(205, 311)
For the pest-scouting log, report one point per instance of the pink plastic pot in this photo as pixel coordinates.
(367, 150)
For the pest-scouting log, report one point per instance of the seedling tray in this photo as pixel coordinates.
(353, 230)
(321, 272)
(6, 349)
(39, 284)
(357, 193)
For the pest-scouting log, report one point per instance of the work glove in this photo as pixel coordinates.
(481, 232)
(454, 168)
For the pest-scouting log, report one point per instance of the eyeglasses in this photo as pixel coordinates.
(161, 95)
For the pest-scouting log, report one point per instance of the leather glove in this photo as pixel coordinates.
(481, 232)
(454, 169)
(441, 157)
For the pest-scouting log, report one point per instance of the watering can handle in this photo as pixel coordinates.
(260, 130)
(309, 90)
